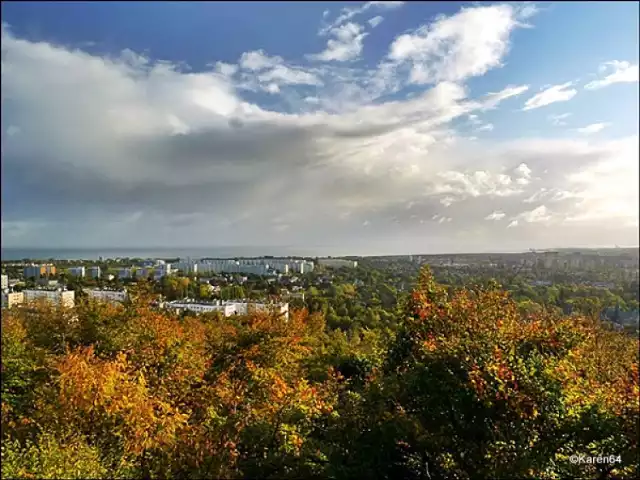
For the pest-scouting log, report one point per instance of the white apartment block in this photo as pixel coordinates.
(94, 272)
(186, 267)
(125, 273)
(77, 271)
(301, 266)
(109, 296)
(245, 308)
(230, 308)
(202, 307)
(4, 281)
(256, 266)
(10, 299)
(63, 297)
(142, 273)
(337, 263)
(163, 270)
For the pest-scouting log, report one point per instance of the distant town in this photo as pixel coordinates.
(51, 281)
(237, 286)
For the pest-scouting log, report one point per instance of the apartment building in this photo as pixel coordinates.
(38, 271)
(143, 273)
(77, 272)
(187, 267)
(59, 296)
(202, 307)
(108, 296)
(230, 308)
(10, 299)
(125, 273)
(255, 266)
(163, 270)
(337, 263)
(4, 282)
(95, 272)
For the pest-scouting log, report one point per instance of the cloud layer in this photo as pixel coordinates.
(125, 150)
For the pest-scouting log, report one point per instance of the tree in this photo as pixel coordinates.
(446, 383)
(486, 392)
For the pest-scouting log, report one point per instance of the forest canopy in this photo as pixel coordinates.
(462, 384)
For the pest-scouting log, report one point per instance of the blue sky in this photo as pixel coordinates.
(464, 126)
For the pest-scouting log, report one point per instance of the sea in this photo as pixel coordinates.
(16, 253)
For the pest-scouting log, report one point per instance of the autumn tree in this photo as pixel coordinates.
(474, 389)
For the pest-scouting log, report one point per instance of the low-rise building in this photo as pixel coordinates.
(246, 308)
(58, 296)
(201, 307)
(229, 308)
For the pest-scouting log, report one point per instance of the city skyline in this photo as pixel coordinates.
(358, 127)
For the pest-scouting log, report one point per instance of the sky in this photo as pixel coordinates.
(364, 127)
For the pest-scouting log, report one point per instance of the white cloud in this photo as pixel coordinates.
(289, 76)
(447, 201)
(618, 72)
(537, 215)
(487, 127)
(106, 139)
(559, 120)
(227, 69)
(476, 184)
(523, 170)
(258, 60)
(549, 195)
(375, 21)
(457, 47)
(495, 216)
(553, 94)
(537, 196)
(491, 100)
(473, 119)
(349, 12)
(273, 88)
(346, 45)
(386, 4)
(593, 128)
